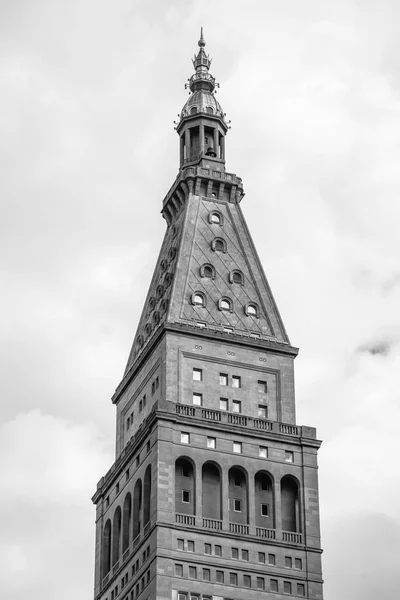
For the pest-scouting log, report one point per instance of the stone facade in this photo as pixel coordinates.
(214, 491)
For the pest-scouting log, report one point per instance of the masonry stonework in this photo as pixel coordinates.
(213, 494)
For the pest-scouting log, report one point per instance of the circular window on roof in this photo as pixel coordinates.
(198, 299)
(218, 245)
(207, 271)
(225, 304)
(215, 218)
(236, 276)
(252, 309)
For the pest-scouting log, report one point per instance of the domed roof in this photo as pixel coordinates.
(202, 101)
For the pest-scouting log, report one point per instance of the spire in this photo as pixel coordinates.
(202, 42)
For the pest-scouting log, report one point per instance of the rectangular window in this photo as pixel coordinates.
(218, 550)
(289, 456)
(182, 596)
(211, 443)
(179, 570)
(153, 388)
(197, 399)
(192, 597)
(186, 496)
(237, 447)
(219, 575)
(190, 546)
(140, 405)
(261, 557)
(273, 585)
(144, 400)
(185, 472)
(157, 383)
(138, 460)
(288, 562)
(236, 406)
(185, 437)
(287, 587)
(207, 548)
(245, 555)
(117, 488)
(197, 375)
(223, 379)
(262, 411)
(237, 505)
(236, 381)
(148, 447)
(262, 387)
(263, 452)
(264, 510)
(301, 589)
(235, 553)
(247, 581)
(298, 563)
(260, 583)
(271, 559)
(228, 329)
(233, 578)
(193, 572)
(223, 404)
(206, 575)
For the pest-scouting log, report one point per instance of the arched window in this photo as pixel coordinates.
(218, 245)
(137, 509)
(290, 508)
(116, 540)
(185, 489)
(225, 304)
(252, 310)
(209, 110)
(236, 276)
(106, 550)
(215, 217)
(126, 521)
(198, 299)
(212, 491)
(264, 499)
(238, 496)
(207, 271)
(193, 110)
(147, 496)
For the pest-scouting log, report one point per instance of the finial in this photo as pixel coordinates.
(201, 40)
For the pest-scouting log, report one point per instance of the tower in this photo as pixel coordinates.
(213, 494)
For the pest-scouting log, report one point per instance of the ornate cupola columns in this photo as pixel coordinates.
(202, 126)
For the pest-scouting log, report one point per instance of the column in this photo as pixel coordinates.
(278, 512)
(223, 147)
(201, 134)
(182, 150)
(187, 143)
(199, 499)
(225, 500)
(216, 145)
(252, 505)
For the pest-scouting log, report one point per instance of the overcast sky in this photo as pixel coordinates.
(89, 90)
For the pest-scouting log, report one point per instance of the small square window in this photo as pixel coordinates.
(273, 585)
(235, 553)
(260, 583)
(264, 510)
(236, 381)
(247, 581)
(233, 578)
(207, 548)
(237, 505)
(262, 387)
(237, 447)
(289, 456)
(185, 437)
(236, 406)
(193, 572)
(186, 496)
(245, 555)
(219, 576)
(218, 550)
(261, 557)
(263, 452)
(197, 375)
(271, 559)
(287, 587)
(223, 404)
(301, 589)
(206, 574)
(223, 379)
(197, 399)
(262, 412)
(211, 443)
(190, 546)
(298, 563)
(288, 561)
(179, 570)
